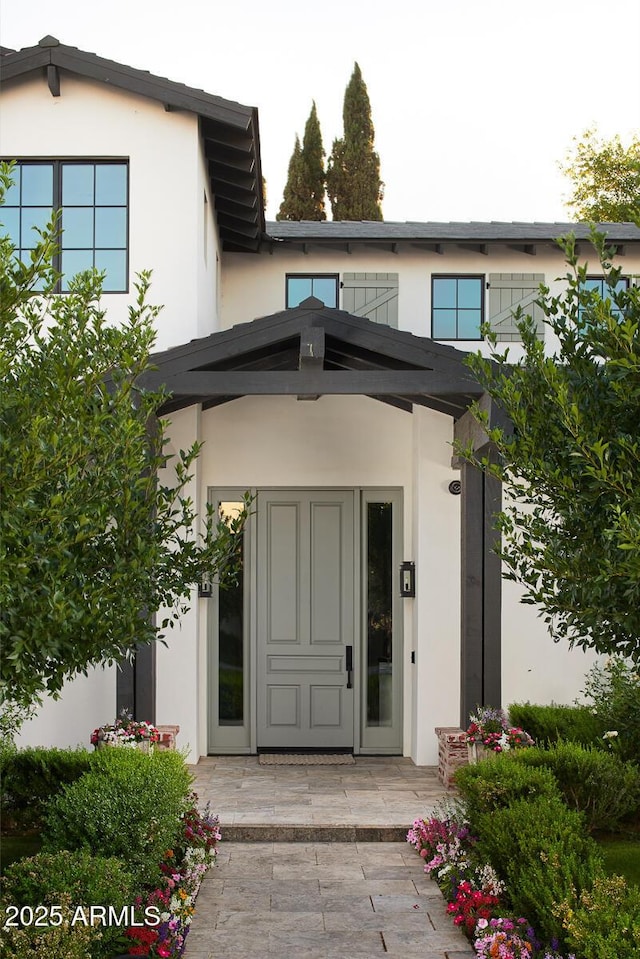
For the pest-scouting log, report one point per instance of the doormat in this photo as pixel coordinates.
(306, 759)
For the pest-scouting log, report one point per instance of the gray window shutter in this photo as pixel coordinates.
(507, 291)
(372, 295)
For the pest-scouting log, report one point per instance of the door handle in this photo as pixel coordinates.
(349, 665)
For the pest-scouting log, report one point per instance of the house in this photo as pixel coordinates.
(322, 365)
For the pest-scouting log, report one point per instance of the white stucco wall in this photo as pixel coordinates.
(255, 286)
(86, 703)
(434, 680)
(167, 226)
(534, 668)
(177, 663)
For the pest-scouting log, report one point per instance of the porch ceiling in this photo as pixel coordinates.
(311, 351)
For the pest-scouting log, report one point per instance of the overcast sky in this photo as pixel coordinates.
(474, 102)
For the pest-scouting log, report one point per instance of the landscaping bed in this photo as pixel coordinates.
(123, 852)
(539, 857)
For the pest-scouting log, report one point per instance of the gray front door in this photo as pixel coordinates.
(305, 618)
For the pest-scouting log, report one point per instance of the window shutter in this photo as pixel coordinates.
(507, 291)
(372, 295)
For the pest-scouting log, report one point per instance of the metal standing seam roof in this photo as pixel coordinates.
(229, 130)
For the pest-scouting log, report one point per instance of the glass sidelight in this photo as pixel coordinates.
(231, 636)
(228, 643)
(379, 603)
(382, 615)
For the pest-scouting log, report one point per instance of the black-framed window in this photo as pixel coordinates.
(324, 286)
(600, 286)
(457, 307)
(93, 196)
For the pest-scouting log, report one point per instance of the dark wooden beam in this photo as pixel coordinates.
(125, 688)
(398, 402)
(312, 348)
(529, 249)
(219, 134)
(238, 179)
(432, 247)
(260, 383)
(492, 589)
(311, 356)
(471, 606)
(481, 606)
(53, 79)
(145, 683)
(468, 432)
(240, 226)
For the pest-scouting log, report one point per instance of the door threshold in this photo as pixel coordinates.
(305, 751)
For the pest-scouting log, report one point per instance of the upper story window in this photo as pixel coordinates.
(605, 292)
(457, 307)
(93, 197)
(324, 286)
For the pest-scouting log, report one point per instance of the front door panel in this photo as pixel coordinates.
(305, 618)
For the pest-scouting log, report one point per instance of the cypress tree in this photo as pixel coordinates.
(353, 173)
(303, 197)
(293, 197)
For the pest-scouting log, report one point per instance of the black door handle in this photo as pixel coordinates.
(349, 665)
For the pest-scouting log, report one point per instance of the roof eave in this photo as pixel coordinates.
(233, 120)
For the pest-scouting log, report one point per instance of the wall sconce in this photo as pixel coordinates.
(205, 588)
(407, 579)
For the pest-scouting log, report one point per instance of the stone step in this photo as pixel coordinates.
(313, 833)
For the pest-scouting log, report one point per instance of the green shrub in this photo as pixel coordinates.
(66, 941)
(614, 691)
(605, 924)
(30, 777)
(540, 849)
(548, 724)
(128, 805)
(497, 781)
(87, 879)
(597, 783)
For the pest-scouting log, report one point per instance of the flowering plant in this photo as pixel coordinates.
(474, 891)
(506, 938)
(176, 893)
(125, 731)
(471, 905)
(490, 728)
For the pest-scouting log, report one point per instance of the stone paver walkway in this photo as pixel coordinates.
(329, 895)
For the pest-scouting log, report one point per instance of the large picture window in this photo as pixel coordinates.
(300, 286)
(457, 307)
(93, 199)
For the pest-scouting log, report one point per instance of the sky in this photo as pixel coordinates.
(474, 102)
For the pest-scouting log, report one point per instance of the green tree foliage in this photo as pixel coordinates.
(99, 533)
(606, 179)
(353, 171)
(293, 197)
(571, 465)
(303, 197)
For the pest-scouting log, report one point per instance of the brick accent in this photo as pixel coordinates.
(168, 735)
(452, 753)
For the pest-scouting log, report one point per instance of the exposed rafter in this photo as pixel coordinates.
(311, 351)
